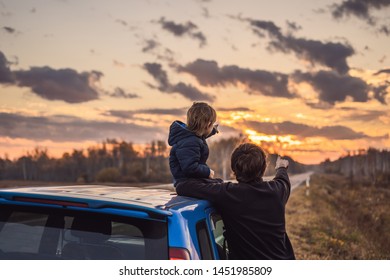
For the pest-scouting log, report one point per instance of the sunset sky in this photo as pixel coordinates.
(308, 79)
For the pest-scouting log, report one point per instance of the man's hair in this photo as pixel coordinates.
(248, 162)
(199, 116)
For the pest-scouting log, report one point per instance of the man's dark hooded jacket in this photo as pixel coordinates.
(253, 214)
(189, 153)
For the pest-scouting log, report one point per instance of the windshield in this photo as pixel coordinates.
(47, 233)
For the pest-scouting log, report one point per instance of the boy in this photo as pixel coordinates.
(189, 152)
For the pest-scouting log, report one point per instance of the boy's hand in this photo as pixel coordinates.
(211, 176)
(281, 163)
(216, 127)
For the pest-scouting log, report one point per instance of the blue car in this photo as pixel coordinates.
(102, 223)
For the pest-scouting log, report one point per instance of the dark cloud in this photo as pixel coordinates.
(201, 38)
(159, 111)
(364, 115)
(120, 93)
(384, 30)
(122, 22)
(359, 8)
(123, 114)
(336, 132)
(161, 77)
(321, 105)
(180, 30)
(333, 87)
(383, 71)
(62, 84)
(167, 55)
(67, 128)
(330, 54)
(9, 29)
(58, 84)
(5, 72)
(191, 92)
(269, 26)
(380, 92)
(234, 109)
(129, 114)
(150, 44)
(293, 26)
(177, 29)
(208, 73)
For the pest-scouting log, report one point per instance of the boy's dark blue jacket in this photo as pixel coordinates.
(189, 153)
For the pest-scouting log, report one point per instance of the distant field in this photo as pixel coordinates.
(337, 221)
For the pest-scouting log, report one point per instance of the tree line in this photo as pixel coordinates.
(110, 161)
(372, 166)
(119, 161)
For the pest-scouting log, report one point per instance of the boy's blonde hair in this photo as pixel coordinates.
(199, 116)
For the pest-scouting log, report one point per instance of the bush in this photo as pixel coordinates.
(110, 174)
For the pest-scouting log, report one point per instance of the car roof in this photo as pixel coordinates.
(158, 200)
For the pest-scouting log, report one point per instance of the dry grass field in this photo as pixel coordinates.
(333, 220)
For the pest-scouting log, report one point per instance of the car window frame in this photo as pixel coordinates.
(206, 226)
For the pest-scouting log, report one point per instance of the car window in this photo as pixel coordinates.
(204, 240)
(23, 229)
(47, 233)
(218, 230)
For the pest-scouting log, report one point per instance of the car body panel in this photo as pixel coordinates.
(180, 213)
(185, 216)
(98, 197)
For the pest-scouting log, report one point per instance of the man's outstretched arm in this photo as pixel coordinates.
(201, 189)
(282, 180)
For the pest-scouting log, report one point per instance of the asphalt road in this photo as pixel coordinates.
(296, 180)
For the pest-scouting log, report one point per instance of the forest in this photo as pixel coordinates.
(363, 166)
(119, 161)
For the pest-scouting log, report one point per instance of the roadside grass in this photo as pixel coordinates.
(334, 220)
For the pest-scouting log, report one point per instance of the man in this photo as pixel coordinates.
(253, 210)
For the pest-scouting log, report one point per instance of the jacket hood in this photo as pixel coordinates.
(178, 131)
